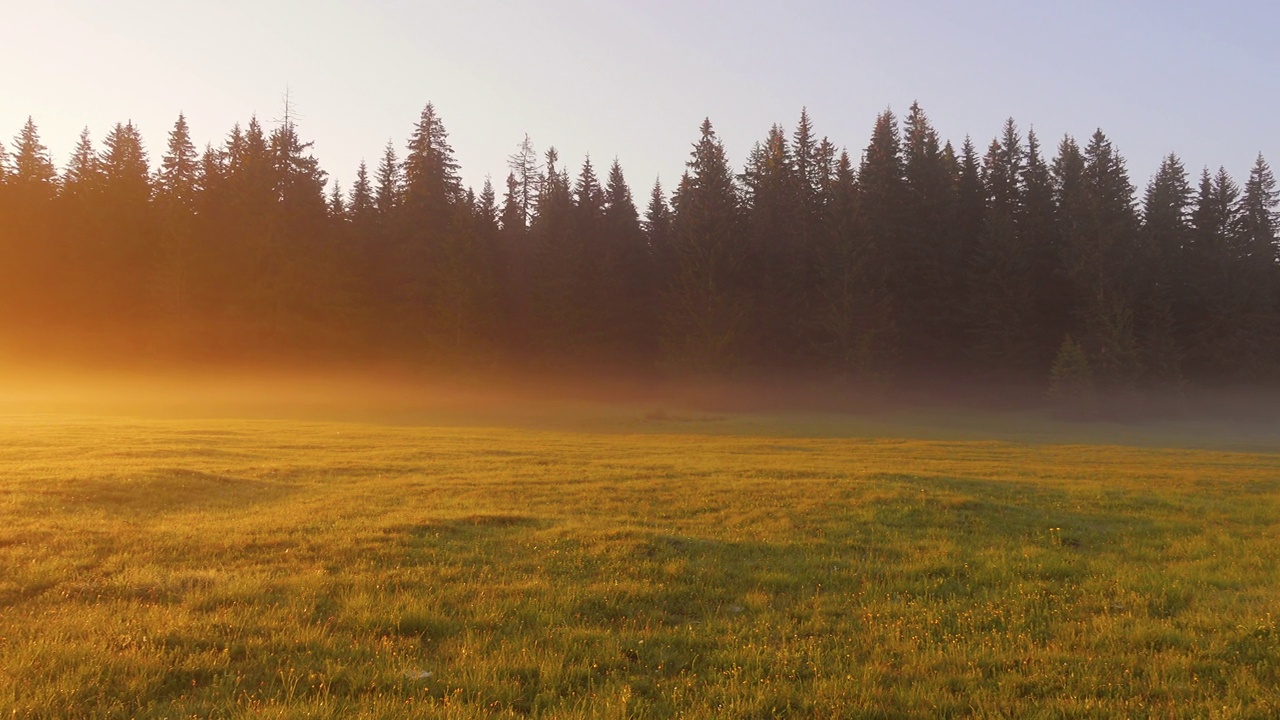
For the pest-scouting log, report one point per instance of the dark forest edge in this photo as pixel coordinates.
(922, 261)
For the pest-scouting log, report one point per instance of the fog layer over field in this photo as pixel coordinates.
(1233, 418)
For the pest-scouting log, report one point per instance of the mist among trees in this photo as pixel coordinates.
(1013, 262)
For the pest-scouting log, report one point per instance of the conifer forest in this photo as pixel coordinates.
(1021, 260)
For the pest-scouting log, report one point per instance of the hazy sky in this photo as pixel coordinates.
(633, 79)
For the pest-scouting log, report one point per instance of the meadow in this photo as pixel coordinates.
(634, 564)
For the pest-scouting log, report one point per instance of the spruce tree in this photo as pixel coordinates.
(177, 187)
(1039, 232)
(881, 208)
(853, 320)
(298, 180)
(1002, 318)
(389, 183)
(555, 265)
(1254, 277)
(513, 215)
(705, 309)
(34, 178)
(82, 178)
(773, 192)
(361, 204)
(630, 277)
(527, 174)
(126, 173)
(486, 207)
(1100, 242)
(431, 183)
(928, 255)
(337, 203)
(1257, 238)
(658, 229)
(1163, 274)
(177, 180)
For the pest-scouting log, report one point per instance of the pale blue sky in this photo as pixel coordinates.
(634, 78)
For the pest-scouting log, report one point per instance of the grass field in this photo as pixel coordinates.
(651, 566)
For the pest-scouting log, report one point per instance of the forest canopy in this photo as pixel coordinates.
(908, 257)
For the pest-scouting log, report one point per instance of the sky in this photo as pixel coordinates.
(633, 79)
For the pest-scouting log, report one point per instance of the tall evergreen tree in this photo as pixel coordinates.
(34, 178)
(361, 204)
(389, 183)
(853, 316)
(1254, 277)
(177, 180)
(772, 189)
(881, 208)
(928, 254)
(126, 172)
(658, 229)
(1002, 296)
(705, 309)
(1259, 221)
(630, 277)
(431, 183)
(1100, 245)
(1163, 275)
(527, 173)
(1039, 232)
(82, 179)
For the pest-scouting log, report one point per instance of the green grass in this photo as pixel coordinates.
(703, 568)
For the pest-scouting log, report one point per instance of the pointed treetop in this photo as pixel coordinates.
(83, 175)
(177, 178)
(31, 164)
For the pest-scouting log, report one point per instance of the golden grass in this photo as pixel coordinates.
(232, 568)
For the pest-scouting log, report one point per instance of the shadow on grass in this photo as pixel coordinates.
(161, 491)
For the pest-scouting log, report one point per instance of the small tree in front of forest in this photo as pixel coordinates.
(1071, 385)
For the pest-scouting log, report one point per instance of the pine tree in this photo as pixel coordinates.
(361, 204)
(527, 173)
(1038, 230)
(34, 178)
(390, 183)
(881, 208)
(630, 274)
(1259, 221)
(556, 266)
(431, 183)
(338, 203)
(929, 259)
(82, 179)
(1163, 275)
(127, 241)
(1100, 242)
(177, 181)
(298, 180)
(1002, 318)
(513, 215)
(1071, 378)
(177, 189)
(971, 201)
(659, 235)
(1254, 277)
(705, 309)
(773, 191)
(126, 173)
(486, 207)
(854, 324)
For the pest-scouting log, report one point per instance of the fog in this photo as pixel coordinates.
(1238, 418)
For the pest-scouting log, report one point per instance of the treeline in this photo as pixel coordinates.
(917, 259)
